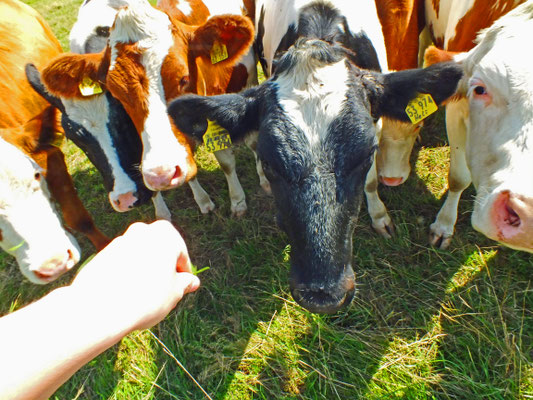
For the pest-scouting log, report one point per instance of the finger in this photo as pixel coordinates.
(186, 283)
(184, 263)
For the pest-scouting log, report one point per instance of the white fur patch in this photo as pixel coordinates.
(91, 15)
(93, 114)
(31, 228)
(280, 14)
(313, 97)
(151, 30)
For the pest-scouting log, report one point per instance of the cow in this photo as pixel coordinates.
(449, 24)
(33, 171)
(317, 116)
(207, 83)
(489, 127)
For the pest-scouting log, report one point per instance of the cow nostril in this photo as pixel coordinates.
(177, 173)
(511, 217)
(70, 255)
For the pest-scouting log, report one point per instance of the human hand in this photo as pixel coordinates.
(140, 276)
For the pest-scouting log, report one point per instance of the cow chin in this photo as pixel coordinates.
(326, 298)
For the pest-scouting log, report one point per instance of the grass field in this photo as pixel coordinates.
(425, 323)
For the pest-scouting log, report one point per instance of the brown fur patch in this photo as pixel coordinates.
(198, 15)
(127, 82)
(401, 22)
(63, 75)
(233, 31)
(482, 14)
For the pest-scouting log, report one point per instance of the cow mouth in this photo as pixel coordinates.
(320, 301)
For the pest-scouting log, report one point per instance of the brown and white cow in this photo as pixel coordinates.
(173, 58)
(450, 24)
(490, 130)
(30, 229)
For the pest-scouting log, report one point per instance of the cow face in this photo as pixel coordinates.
(30, 228)
(395, 147)
(316, 120)
(99, 125)
(90, 32)
(498, 113)
(149, 60)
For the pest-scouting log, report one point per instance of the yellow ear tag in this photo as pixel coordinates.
(420, 107)
(219, 52)
(58, 139)
(216, 138)
(88, 87)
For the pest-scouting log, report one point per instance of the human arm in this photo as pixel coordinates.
(132, 284)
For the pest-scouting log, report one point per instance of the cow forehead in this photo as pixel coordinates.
(146, 26)
(312, 97)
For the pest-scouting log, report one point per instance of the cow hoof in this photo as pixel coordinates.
(239, 210)
(439, 239)
(207, 207)
(164, 215)
(265, 185)
(384, 227)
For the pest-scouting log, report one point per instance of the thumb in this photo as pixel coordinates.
(186, 283)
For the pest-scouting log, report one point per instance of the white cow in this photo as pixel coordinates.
(490, 130)
(30, 228)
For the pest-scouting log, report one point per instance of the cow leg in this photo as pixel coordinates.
(381, 220)
(226, 159)
(251, 142)
(161, 209)
(201, 197)
(63, 191)
(441, 231)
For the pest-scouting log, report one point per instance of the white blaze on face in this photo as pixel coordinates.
(93, 114)
(150, 29)
(30, 228)
(499, 86)
(280, 14)
(312, 96)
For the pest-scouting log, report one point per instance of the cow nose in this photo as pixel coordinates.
(164, 178)
(512, 214)
(325, 300)
(124, 202)
(55, 266)
(391, 181)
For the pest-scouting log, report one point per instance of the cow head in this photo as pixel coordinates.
(496, 102)
(316, 121)
(30, 228)
(150, 59)
(99, 125)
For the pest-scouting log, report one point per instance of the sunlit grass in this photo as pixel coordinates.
(425, 323)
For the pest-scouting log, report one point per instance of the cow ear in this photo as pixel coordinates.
(223, 39)
(236, 113)
(392, 93)
(34, 79)
(69, 74)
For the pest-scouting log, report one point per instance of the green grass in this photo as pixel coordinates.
(425, 323)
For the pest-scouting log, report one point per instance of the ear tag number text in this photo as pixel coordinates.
(421, 107)
(219, 52)
(216, 138)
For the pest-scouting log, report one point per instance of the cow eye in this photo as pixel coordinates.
(102, 31)
(268, 170)
(480, 90)
(37, 176)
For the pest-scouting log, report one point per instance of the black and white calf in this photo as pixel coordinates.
(316, 118)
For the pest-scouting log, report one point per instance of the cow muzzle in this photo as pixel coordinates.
(325, 298)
